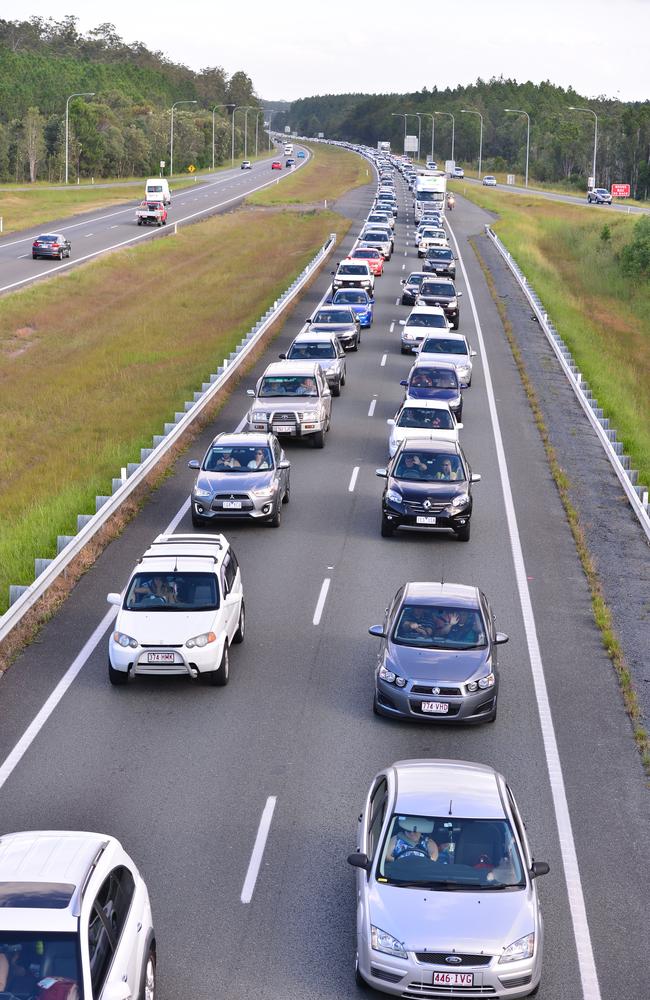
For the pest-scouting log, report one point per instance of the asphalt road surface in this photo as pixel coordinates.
(113, 226)
(183, 774)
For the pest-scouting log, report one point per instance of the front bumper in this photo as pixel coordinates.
(186, 662)
(406, 516)
(297, 429)
(413, 978)
(252, 508)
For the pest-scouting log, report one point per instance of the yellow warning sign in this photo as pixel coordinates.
(191, 168)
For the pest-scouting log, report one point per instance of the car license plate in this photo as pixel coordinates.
(232, 504)
(425, 520)
(439, 708)
(282, 428)
(160, 657)
(453, 979)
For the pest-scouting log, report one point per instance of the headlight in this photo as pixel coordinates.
(310, 415)
(387, 675)
(266, 491)
(198, 492)
(381, 941)
(258, 415)
(408, 335)
(201, 640)
(523, 948)
(461, 500)
(393, 496)
(486, 682)
(124, 640)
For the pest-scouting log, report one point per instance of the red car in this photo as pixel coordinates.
(373, 257)
(276, 165)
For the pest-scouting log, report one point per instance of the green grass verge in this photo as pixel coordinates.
(555, 187)
(602, 614)
(94, 362)
(603, 316)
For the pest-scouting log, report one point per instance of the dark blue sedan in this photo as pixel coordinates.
(358, 300)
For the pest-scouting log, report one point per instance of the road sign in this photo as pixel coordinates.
(510, 179)
(162, 164)
(410, 143)
(191, 168)
(620, 190)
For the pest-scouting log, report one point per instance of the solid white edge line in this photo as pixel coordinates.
(39, 720)
(322, 597)
(581, 933)
(371, 408)
(258, 850)
(353, 479)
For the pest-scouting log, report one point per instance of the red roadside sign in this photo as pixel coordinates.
(620, 190)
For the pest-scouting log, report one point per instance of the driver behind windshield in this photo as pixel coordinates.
(15, 974)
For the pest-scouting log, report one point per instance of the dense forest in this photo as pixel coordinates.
(124, 129)
(561, 141)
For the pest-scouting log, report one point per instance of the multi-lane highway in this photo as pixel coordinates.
(114, 226)
(184, 774)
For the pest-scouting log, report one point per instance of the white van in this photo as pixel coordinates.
(157, 189)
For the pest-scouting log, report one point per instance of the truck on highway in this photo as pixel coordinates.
(383, 146)
(288, 149)
(430, 193)
(157, 189)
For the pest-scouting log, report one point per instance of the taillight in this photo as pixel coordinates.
(55, 246)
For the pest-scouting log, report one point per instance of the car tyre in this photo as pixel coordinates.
(456, 324)
(61, 255)
(463, 533)
(198, 522)
(356, 345)
(117, 677)
(149, 983)
(336, 389)
(276, 519)
(319, 439)
(34, 256)
(220, 676)
(387, 529)
(358, 978)
(238, 637)
(492, 717)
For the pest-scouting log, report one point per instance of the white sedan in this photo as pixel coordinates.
(424, 419)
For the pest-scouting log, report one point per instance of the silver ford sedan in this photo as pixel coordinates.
(447, 901)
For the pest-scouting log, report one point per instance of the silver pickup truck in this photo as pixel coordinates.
(292, 399)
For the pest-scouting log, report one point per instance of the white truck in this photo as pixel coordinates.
(288, 149)
(383, 146)
(430, 193)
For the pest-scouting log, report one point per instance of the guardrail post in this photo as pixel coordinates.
(16, 590)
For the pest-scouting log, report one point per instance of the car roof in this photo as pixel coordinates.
(441, 335)
(425, 311)
(199, 553)
(446, 365)
(427, 404)
(336, 307)
(231, 439)
(352, 260)
(448, 788)
(436, 446)
(292, 368)
(319, 336)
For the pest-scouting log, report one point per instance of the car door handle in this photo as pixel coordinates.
(139, 928)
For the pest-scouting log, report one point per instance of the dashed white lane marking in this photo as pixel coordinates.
(403, 266)
(371, 408)
(258, 850)
(397, 301)
(320, 604)
(406, 253)
(114, 227)
(88, 235)
(392, 327)
(353, 479)
(383, 360)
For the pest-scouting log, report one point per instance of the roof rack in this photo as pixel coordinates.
(192, 539)
(80, 891)
(178, 555)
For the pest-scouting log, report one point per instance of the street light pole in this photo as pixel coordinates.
(257, 125)
(67, 107)
(232, 141)
(271, 113)
(518, 111)
(171, 136)
(468, 111)
(400, 114)
(590, 112)
(433, 127)
(448, 114)
(215, 108)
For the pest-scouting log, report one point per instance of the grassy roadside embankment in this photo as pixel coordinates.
(569, 257)
(551, 188)
(94, 362)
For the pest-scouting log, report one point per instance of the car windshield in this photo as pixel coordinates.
(447, 853)
(288, 385)
(437, 288)
(429, 468)
(428, 319)
(356, 269)
(439, 253)
(229, 459)
(430, 195)
(333, 316)
(415, 279)
(352, 298)
(438, 626)
(433, 378)
(150, 590)
(312, 352)
(39, 960)
(422, 416)
(441, 345)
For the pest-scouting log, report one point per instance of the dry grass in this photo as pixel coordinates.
(602, 614)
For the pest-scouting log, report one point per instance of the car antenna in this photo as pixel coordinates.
(450, 813)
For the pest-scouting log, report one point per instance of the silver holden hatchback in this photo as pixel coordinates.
(447, 901)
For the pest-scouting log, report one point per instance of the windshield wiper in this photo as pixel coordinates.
(445, 884)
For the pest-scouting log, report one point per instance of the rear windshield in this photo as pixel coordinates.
(172, 591)
(333, 316)
(312, 352)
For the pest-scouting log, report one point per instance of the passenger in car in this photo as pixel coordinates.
(449, 469)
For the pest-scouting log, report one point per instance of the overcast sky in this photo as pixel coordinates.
(298, 48)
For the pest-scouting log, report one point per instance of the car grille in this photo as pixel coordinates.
(161, 645)
(438, 958)
(434, 506)
(450, 692)
(388, 977)
(428, 300)
(416, 707)
(283, 418)
(427, 990)
(243, 498)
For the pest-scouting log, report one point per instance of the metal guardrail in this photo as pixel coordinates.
(636, 493)
(24, 598)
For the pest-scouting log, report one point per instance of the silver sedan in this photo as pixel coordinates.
(447, 900)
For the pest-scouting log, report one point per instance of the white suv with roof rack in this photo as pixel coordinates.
(75, 919)
(182, 608)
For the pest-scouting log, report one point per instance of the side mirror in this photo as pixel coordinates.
(284, 464)
(382, 473)
(536, 869)
(250, 392)
(390, 422)
(378, 631)
(459, 426)
(402, 322)
(472, 354)
(358, 860)
(115, 599)
(402, 281)
(475, 477)
(501, 637)
(403, 381)
(282, 357)
(459, 295)
(194, 464)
